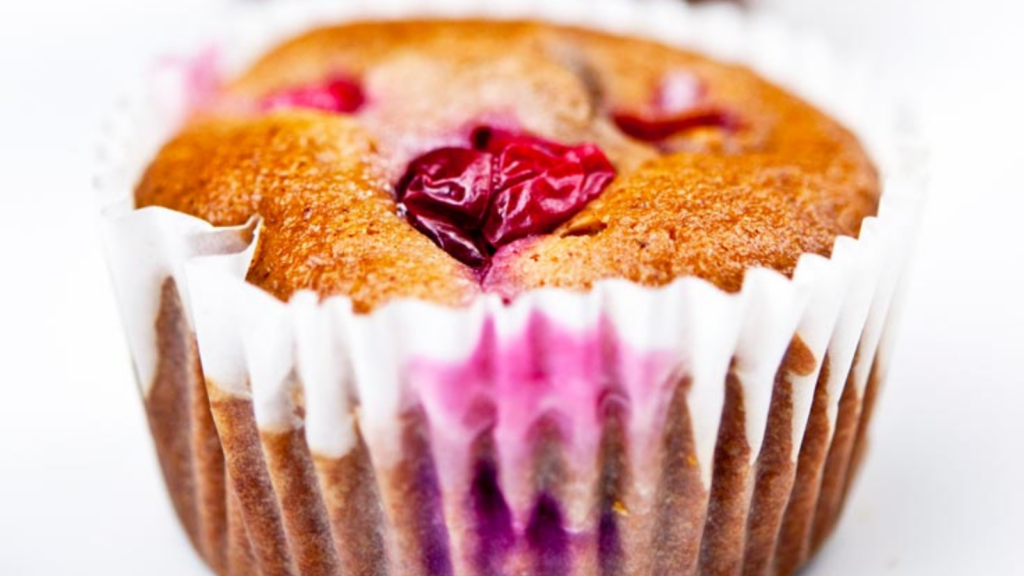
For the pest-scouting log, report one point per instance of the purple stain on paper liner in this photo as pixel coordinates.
(548, 539)
(609, 543)
(545, 534)
(502, 388)
(494, 532)
(431, 529)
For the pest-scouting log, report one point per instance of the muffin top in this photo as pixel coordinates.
(439, 160)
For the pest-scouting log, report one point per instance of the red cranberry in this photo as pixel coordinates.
(472, 201)
(463, 244)
(679, 105)
(339, 95)
(651, 128)
(445, 193)
(450, 182)
(539, 184)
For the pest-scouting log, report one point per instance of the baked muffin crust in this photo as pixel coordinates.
(710, 202)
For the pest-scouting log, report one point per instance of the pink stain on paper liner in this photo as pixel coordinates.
(547, 374)
(548, 371)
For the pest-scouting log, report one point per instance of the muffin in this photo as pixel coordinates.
(480, 296)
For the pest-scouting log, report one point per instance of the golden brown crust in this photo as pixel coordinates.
(787, 182)
(329, 223)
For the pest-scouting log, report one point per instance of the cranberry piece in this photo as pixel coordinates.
(539, 184)
(445, 194)
(472, 201)
(463, 244)
(454, 183)
(679, 105)
(649, 128)
(339, 95)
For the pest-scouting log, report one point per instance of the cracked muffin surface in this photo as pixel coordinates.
(716, 170)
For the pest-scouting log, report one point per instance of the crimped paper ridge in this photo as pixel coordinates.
(306, 444)
(763, 512)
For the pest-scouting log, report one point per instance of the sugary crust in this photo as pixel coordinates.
(788, 181)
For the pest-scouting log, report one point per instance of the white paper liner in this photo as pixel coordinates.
(254, 346)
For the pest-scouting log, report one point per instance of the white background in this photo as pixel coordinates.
(80, 491)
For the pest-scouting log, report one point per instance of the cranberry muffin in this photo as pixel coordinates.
(450, 162)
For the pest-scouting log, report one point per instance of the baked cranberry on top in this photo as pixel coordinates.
(506, 186)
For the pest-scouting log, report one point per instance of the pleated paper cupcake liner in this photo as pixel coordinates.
(624, 431)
